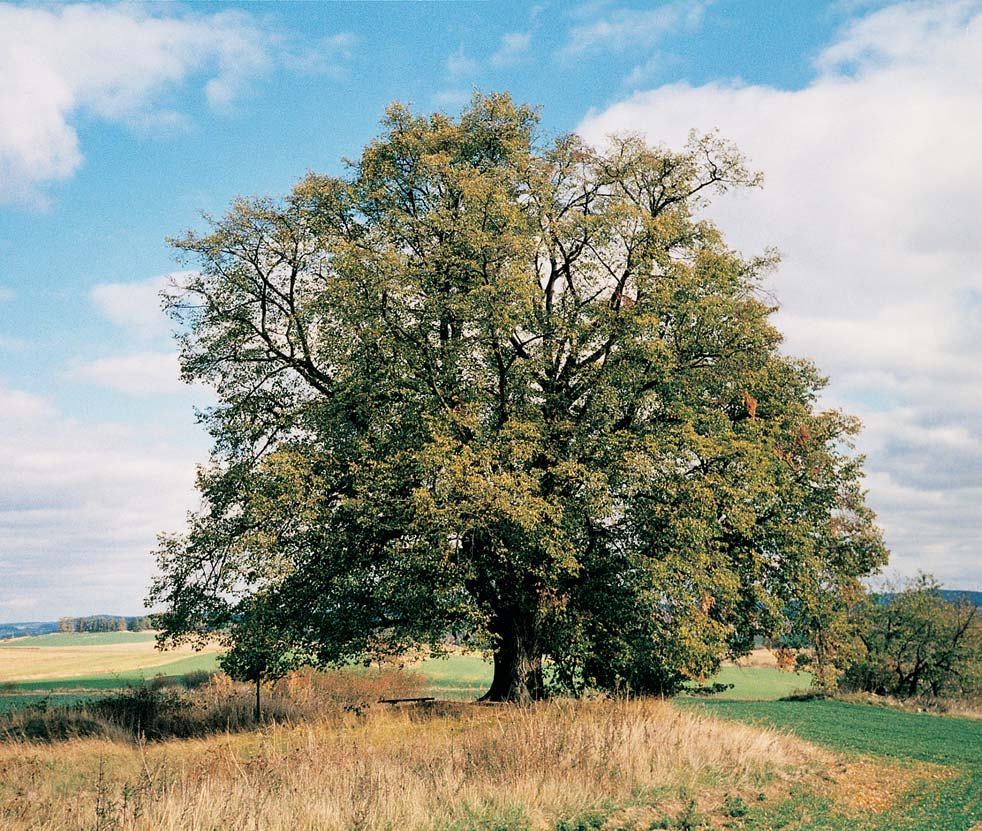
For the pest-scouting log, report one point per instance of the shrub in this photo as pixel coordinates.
(914, 642)
(212, 703)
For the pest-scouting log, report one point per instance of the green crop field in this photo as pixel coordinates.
(108, 660)
(764, 683)
(943, 798)
(456, 676)
(92, 661)
(17, 701)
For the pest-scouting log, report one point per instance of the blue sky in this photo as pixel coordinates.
(121, 124)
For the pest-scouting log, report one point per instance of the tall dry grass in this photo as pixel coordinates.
(449, 766)
(208, 703)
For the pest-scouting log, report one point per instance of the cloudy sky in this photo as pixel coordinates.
(121, 124)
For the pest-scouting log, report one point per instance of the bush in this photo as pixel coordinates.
(212, 703)
(915, 643)
(197, 678)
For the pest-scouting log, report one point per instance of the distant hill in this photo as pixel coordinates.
(20, 630)
(954, 595)
(89, 623)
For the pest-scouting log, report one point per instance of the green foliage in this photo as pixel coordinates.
(735, 806)
(257, 652)
(914, 642)
(514, 391)
(585, 822)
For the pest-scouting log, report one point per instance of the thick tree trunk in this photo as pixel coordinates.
(517, 658)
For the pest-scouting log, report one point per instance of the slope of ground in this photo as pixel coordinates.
(452, 767)
(942, 755)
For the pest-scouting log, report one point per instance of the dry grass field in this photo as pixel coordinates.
(636, 764)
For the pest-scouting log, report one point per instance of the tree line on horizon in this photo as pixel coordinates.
(105, 623)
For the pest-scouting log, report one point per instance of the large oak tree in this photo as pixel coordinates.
(514, 391)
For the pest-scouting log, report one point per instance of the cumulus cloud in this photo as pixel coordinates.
(873, 190)
(622, 29)
(80, 507)
(112, 62)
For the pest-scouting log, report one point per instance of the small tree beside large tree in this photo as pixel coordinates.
(514, 390)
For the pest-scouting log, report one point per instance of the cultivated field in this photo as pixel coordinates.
(93, 660)
(915, 772)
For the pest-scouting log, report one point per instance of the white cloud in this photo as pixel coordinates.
(81, 504)
(459, 63)
(512, 49)
(142, 373)
(113, 62)
(873, 192)
(514, 46)
(327, 56)
(451, 99)
(622, 29)
(136, 306)
(17, 405)
(5, 294)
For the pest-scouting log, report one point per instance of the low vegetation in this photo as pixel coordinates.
(183, 751)
(202, 703)
(897, 770)
(630, 764)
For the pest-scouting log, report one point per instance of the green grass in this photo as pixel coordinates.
(115, 680)
(949, 804)
(760, 682)
(456, 676)
(77, 639)
(18, 702)
(468, 676)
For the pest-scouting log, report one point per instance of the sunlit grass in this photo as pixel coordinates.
(453, 766)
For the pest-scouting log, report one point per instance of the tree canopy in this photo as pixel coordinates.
(509, 390)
